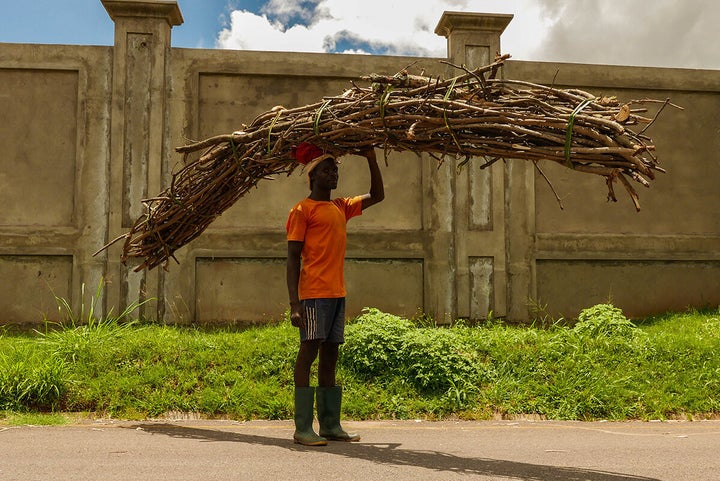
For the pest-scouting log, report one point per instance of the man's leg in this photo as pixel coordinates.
(329, 396)
(307, 354)
(327, 365)
(334, 312)
(305, 396)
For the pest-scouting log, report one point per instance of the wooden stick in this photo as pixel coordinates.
(471, 115)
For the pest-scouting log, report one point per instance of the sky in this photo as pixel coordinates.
(654, 33)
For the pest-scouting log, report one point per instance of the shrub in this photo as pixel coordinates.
(437, 359)
(374, 343)
(604, 320)
(431, 360)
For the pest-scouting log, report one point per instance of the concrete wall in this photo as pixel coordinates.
(665, 257)
(87, 132)
(54, 132)
(236, 269)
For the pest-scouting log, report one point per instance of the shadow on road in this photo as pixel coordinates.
(393, 454)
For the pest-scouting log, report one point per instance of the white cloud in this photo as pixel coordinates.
(662, 33)
(286, 10)
(395, 27)
(254, 32)
(627, 32)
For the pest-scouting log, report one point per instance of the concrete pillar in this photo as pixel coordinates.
(520, 239)
(502, 238)
(440, 291)
(473, 39)
(138, 146)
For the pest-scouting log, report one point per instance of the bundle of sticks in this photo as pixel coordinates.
(473, 116)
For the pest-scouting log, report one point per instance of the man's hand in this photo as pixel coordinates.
(369, 153)
(297, 316)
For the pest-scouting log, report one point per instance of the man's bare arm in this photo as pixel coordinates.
(293, 280)
(377, 189)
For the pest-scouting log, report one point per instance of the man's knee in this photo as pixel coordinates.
(309, 350)
(330, 347)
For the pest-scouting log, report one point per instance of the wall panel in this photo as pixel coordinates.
(393, 285)
(639, 287)
(240, 289)
(38, 137)
(30, 285)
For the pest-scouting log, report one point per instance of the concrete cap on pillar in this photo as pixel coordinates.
(469, 21)
(167, 9)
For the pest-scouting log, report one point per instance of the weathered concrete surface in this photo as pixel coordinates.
(503, 450)
(88, 132)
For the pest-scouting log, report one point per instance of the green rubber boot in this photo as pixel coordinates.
(304, 434)
(329, 400)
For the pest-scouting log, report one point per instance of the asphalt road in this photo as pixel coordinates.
(389, 450)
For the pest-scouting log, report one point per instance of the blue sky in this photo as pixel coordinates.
(86, 22)
(662, 33)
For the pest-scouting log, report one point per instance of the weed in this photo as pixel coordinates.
(30, 380)
(78, 336)
(603, 368)
(36, 419)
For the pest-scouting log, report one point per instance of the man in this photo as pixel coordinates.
(316, 285)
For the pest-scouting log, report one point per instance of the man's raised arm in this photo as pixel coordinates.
(377, 190)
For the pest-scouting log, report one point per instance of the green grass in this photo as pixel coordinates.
(603, 367)
(35, 419)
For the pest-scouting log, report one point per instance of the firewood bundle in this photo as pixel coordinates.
(471, 117)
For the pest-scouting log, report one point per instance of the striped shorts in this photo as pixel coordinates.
(324, 320)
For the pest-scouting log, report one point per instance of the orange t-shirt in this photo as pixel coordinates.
(320, 225)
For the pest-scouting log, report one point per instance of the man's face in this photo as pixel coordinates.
(325, 175)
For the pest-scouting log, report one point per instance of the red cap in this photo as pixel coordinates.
(306, 152)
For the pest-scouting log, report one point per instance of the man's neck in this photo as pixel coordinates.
(319, 195)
